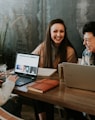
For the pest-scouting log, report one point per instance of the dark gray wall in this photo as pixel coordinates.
(23, 23)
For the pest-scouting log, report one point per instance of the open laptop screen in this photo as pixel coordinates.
(26, 64)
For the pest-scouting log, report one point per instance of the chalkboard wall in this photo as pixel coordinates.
(23, 23)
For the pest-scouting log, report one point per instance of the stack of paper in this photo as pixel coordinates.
(46, 71)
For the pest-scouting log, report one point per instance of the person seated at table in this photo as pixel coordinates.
(56, 48)
(7, 101)
(88, 55)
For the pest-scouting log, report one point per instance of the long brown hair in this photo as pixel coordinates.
(62, 49)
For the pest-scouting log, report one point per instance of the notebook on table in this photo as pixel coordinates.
(26, 67)
(79, 76)
(45, 72)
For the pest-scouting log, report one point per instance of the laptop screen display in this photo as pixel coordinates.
(26, 64)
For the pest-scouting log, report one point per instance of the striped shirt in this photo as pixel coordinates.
(87, 58)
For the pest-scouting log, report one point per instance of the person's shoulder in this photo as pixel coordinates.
(42, 44)
(39, 48)
(86, 52)
(71, 55)
(70, 49)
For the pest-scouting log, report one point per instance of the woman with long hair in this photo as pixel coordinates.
(56, 48)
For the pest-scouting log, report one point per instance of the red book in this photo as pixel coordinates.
(43, 85)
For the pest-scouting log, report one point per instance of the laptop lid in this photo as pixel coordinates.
(26, 64)
(79, 76)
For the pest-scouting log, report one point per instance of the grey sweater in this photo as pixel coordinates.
(5, 91)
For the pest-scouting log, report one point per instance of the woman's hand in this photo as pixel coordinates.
(13, 78)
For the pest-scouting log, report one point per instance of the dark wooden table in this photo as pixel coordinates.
(76, 99)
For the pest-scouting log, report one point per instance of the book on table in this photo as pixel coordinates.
(43, 85)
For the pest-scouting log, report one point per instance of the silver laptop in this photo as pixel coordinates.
(26, 67)
(79, 76)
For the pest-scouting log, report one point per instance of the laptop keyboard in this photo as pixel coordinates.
(23, 81)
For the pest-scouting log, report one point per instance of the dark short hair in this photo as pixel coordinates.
(89, 27)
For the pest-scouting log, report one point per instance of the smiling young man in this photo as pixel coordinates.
(88, 56)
